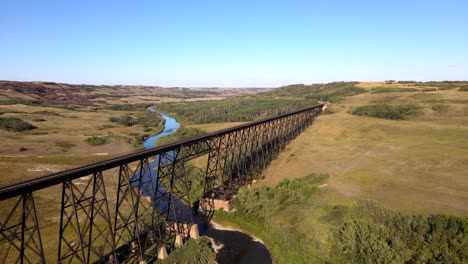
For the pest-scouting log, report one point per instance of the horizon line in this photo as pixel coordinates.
(230, 87)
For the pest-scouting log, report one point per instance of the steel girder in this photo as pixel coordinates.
(124, 209)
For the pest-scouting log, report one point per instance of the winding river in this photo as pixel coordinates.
(233, 246)
(171, 125)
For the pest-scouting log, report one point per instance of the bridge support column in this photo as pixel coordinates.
(222, 205)
(178, 241)
(162, 252)
(194, 231)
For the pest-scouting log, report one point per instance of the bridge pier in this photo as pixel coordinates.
(194, 232)
(162, 252)
(215, 204)
(179, 242)
(89, 229)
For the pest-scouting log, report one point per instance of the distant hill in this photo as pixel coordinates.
(84, 95)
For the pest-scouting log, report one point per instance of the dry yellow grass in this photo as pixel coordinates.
(419, 165)
(59, 142)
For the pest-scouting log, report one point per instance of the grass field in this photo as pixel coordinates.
(416, 165)
(59, 140)
(67, 115)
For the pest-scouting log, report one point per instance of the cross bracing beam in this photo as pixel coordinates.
(124, 209)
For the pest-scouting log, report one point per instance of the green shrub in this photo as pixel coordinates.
(366, 232)
(407, 82)
(128, 107)
(138, 140)
(444, 85)
(386, 89)
(463, 88)
(25, 102)
(124, 120)
(96, 140)
(265, 200)
(64, 144)
(276, 215)
(46, 113)
(181, 134)
(150, 120)
(15, 124)
(196, 251)
(271, 103)
(387, 111)
(375, 234)
(147, 120)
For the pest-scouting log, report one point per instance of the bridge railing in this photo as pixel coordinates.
(127, 208)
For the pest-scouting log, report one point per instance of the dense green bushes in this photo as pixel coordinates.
(128, 107)
(96, 141)
(19, 101)
(275, 102)
(196, 251)
(264, 201)
(232, 110)
(147, 120)
(277, 215)
(407, 82)
(444, 85)
(332, 92)
(181, 134)
(387, 111)
(36, 103)
(378, 235)
(366, 232)
(14, 124)
(150, 120)
(386, 89)
(138, 140)
(463, 88)
(124, 120)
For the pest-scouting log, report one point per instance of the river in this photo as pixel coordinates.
(171, 125)
(237, 247)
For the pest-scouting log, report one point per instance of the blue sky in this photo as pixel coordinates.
(232, 43)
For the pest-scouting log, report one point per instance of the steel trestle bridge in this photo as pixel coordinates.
(127, 208)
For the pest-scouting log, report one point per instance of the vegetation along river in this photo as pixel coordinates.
(232, 246)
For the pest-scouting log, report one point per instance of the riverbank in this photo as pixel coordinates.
(170, 126)
(236, 222)
(233, 245)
